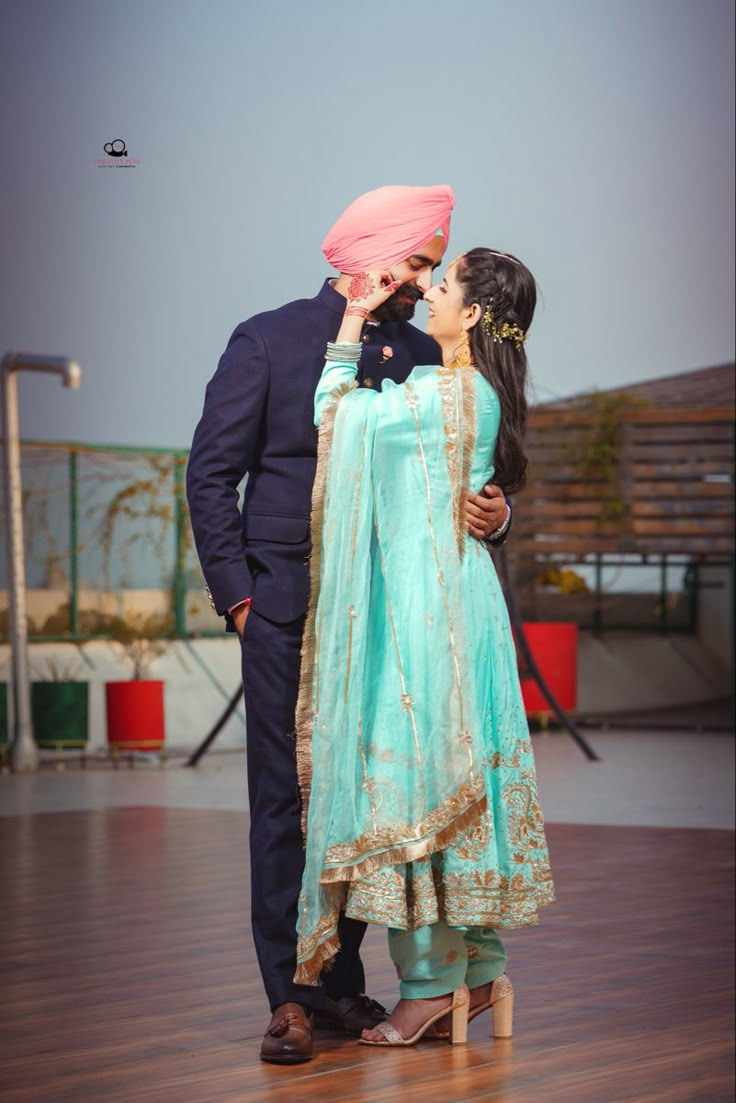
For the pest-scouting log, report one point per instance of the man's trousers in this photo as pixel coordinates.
(271, 656)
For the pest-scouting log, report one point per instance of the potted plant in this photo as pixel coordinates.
(546, 649)
(553, 644)
(135, 707)
(60, 703)
(554, 649)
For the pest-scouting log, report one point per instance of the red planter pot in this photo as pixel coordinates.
(554, 646)
(135, 715)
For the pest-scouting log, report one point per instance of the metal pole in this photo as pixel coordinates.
(597, 610)
(732, 596)
(693, 571)
(73, 540)
(663, 618)
(180, 614)
(23, 752)
(219, 725)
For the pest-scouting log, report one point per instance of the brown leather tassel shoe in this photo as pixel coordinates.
(288, 1039)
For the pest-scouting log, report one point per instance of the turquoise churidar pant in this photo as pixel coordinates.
(437, 959)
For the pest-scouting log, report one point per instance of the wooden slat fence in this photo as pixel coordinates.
(659, 482)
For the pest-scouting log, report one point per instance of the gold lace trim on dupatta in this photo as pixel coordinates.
(399, 843)
(307, 671)
(461, 428)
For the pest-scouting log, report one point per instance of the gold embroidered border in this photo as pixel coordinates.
(317, 952)
(470, 433)
(304, 701)
(525, 821)
(412, 903)
(461, 428)
(308, 972)
(508, 913)
(401, 843)
(447, 379)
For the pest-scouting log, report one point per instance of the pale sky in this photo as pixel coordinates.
(593, 138)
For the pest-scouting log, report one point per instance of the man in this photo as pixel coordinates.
(258, 420)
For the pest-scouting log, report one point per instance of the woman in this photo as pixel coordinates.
(415, 764)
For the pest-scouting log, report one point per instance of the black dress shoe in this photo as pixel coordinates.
(350, 1015)
(288, 1039)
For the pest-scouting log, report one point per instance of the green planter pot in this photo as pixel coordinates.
(4, 735)
(60, 713)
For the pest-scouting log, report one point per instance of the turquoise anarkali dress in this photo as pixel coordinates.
(415, 762)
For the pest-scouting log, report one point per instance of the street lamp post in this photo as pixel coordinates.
(23, 752)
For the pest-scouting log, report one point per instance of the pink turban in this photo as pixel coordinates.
(387, 225)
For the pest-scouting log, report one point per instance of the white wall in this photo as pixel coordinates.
(715, 619)
(199, 681)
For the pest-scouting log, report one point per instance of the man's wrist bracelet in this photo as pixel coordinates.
(502, 529)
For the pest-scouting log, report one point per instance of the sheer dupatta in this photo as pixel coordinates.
(389, 744)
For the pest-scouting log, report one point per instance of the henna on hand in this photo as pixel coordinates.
(361, 286)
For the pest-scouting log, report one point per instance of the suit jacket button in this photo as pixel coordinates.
(368, 382)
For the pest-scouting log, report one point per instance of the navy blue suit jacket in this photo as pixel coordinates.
(258, 419)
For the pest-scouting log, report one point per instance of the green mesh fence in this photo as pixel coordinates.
(107, 542)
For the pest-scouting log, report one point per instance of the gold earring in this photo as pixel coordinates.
(462, 357)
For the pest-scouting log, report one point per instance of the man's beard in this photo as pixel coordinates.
(400, 307)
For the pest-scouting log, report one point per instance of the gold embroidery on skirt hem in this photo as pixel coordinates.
(412, 906)
(511, 910)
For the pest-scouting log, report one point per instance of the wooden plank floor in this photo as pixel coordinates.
(128, 974)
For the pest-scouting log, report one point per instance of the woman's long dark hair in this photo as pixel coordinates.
(502, 282)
